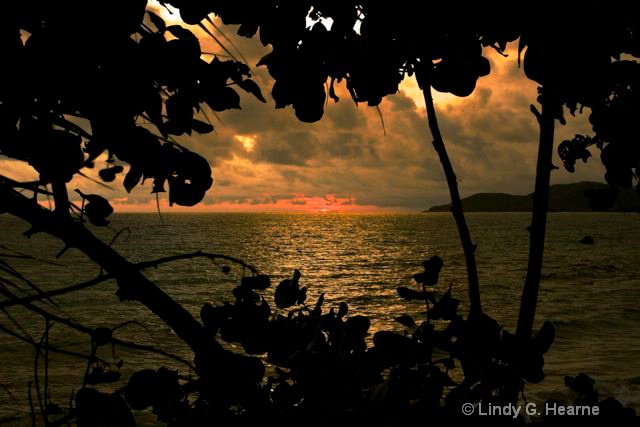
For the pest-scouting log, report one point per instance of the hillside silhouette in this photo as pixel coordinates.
(562, 198)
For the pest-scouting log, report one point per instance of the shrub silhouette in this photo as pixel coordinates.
(62, 106)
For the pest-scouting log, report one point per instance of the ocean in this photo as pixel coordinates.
(590, 292)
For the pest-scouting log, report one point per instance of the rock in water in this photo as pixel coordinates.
(587, 240)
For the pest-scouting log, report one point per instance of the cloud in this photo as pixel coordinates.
(264, 158)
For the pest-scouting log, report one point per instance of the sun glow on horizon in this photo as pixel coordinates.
(294, 203)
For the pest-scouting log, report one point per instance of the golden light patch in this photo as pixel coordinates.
(210, 45)
(500, 79)
(248, 142)
(410, 88)
(170, 14)
(18, 170)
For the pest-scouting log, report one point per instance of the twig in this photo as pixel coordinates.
(118, 234)
(23, 255)
(15, 322)
(158, 208)
(384, 129)
(227, 39)
(95, 181)
(141, 265)
(5, 388)
(132, 285)
(33, 411)
(33, 343)
(85, 377)
(55, 292)
(152, 349)
(13, 272)
(36, 379)
(27, 185)
(90, 331)
(197, 254)
(47, 327)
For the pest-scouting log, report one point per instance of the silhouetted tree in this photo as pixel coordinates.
(83, 79)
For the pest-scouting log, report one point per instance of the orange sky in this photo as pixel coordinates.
(264, 159)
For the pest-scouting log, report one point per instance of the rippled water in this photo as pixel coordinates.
(591, 292)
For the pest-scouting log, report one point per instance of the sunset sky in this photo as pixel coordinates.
(264, 159)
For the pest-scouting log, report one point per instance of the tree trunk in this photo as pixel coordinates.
(537, 230)
(475, 305)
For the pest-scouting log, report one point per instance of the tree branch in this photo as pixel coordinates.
(132, 284)
(475, 305)
(141, 265)
(55, 292)
(60, 197)
(197, 254)
(50, 347)
(90, 331)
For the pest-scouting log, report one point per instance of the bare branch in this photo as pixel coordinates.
(50, 347)
(90, 331)
(55, 292)
(141, 265)
(197, 254)
(131, 283)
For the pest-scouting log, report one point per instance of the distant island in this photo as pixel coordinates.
(562, 198)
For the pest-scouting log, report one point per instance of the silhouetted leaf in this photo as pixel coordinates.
(157, 21)
(445, 308)
(265, 310)
(395, 347)
(100, 409)
(244, 294)
(98, 375)
(413, 295)
(96, 208)
(101, 336)
(211, 318)
(572, 150)
(545, 337)
(201, 127)
(109, 174)
(180, 114)
(358, 325)
(432, 268)
(317, 310)
(342, 310)
(285, 396)
(252, 87)
(302, 295)
(602, 199)
(260, 281)
(191, 180)
(223, 99)
(405, 320)
(141, 389)
(180, 32)
(287, 292)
